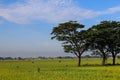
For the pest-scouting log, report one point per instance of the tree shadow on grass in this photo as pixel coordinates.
(91, 65)
(98, 65)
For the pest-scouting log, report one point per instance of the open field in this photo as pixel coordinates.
(58, 70)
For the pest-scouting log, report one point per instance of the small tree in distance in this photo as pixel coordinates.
(72, 38)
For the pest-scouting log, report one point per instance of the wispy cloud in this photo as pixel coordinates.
(49, 10)
(111, 10)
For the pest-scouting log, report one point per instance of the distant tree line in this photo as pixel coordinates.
(11, 58)
(37, 58)
(102, 39)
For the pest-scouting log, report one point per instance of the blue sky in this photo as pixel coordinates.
(25, 25)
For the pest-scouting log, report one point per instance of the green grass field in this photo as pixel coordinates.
(58, 70)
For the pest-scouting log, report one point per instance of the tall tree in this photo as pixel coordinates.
(114, 39)
(105, 38)
(72, 38)
(97, 40)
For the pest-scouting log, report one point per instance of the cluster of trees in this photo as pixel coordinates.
(103, 39)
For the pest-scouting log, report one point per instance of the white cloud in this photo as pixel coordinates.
(109, 10)
(49, 10)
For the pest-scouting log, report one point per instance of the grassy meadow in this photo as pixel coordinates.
(58, 69)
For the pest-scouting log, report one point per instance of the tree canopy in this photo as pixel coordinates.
(105, 38)
(102, 39)
(72, 38)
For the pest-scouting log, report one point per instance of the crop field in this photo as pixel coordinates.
(58, 69)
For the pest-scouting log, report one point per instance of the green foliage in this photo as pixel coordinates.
(71, 36)
(105, 38)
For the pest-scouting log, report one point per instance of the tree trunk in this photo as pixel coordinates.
(104, 58)
(79, 60)
(104, 61)
(114, 59)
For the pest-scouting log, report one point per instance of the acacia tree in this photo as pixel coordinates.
(114, 39)
(72, 38)
(97, 38)
(106, 38)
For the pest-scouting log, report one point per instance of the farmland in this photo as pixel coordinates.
(58, 69)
